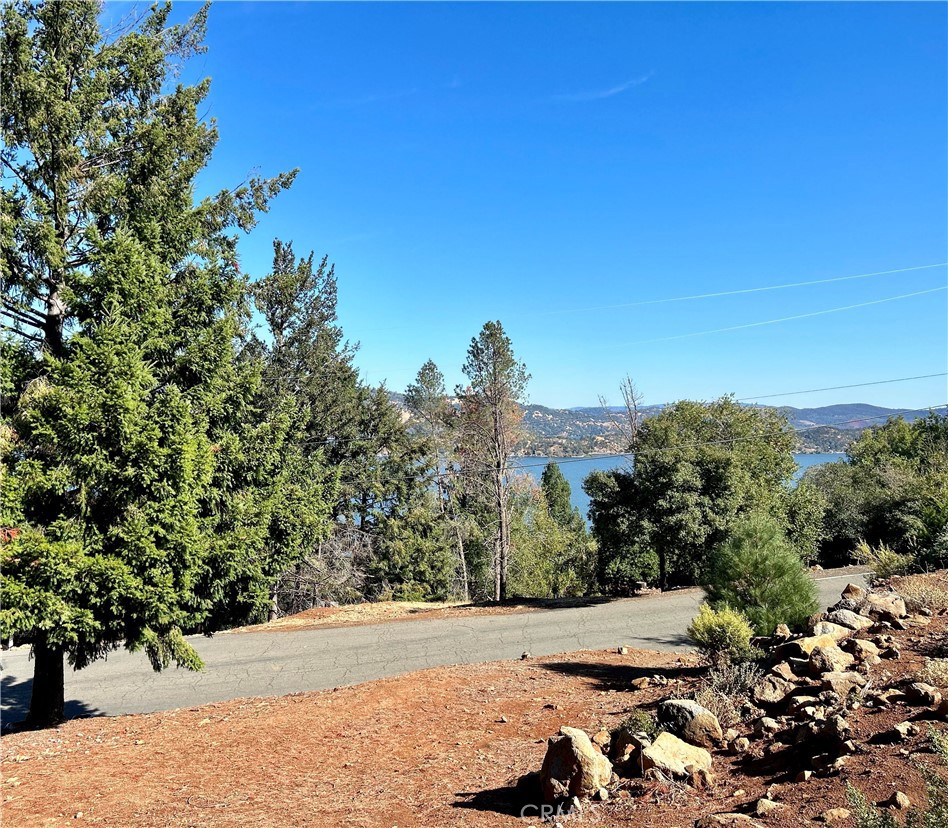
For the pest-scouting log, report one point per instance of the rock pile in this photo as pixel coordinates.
(800, 706)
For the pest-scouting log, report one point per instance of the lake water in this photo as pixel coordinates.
(575, 470)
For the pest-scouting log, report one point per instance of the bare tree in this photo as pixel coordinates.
(632, 401)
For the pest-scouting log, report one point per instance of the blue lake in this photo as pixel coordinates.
(575, 469)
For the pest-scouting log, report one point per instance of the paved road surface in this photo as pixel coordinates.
(261, 664)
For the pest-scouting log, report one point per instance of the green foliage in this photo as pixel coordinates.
(893, 490)
(557, 492)
(548, 560)
(624, 556)
(883, 561)
(757, 571)
(698, 468)
(722, 635)
(638, 721)
(138, 463)
(490, 422)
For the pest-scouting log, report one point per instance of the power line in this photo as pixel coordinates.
(744, 290)
(631, 455)
(723, 441)
(842, 387)
(368, 437)
(788, 318)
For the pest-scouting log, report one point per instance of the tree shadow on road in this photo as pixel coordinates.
(618, 676)
(15, 704)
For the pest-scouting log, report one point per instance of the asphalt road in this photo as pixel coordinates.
(265, 664)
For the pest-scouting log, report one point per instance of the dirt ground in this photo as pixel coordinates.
(350, 615)
(442, 747)
(380, 612)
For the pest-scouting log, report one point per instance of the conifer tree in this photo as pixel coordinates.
(491, 407)
(128, 466)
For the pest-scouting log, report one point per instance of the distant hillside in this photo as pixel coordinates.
(561, 432)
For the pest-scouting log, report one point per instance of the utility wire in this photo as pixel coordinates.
(743, 290)
(368, 437)
(631, 455)
(841, 387)
(724, 441)
(787, 318)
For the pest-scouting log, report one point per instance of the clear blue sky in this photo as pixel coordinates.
(532, 163)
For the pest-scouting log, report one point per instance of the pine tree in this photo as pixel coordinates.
(491, 406)
(125, 442)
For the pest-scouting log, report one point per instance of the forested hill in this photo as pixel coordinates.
(558, 432)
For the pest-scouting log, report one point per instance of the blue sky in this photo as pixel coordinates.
(533, 163)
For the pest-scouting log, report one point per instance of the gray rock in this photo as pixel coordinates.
(771, 690)
(847, 618)
(829, 659)
(690, 721)
(842, 682)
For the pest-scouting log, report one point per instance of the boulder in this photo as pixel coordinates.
(854, 592)
(835, 631)
(783, 670)
(904, 731)
(626, 749)
(887, 607)
(771, 690)
(829, 659)
(804, 646)
(672, 756)
(765, 807)
(572, 767)
(923, 694)
(690, 721)
(848, 618)
(842, 682)
(862, 649)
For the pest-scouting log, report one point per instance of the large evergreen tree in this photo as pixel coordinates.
(127, 484)
(491, 406)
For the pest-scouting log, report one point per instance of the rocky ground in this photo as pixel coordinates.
(452, 746)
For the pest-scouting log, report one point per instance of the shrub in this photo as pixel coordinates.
(924, 592)
(639, 721)
(723, 635)
(883, 561)
(757, 571)
(734, 679)
(934, 672)
(720, 704)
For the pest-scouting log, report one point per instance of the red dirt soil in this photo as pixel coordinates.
(426, 749)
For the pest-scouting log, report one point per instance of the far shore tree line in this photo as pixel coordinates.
(186, 448)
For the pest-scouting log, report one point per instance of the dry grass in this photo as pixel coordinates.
(720, 705)
(934, 672)
(923, 592)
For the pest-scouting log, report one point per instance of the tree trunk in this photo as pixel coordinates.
(502, 542)
(47, 703)
(465, 588)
